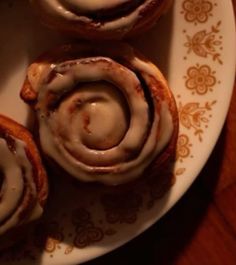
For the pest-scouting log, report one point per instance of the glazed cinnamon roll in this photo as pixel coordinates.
(101, 19)
(23, 181)
(105, 113)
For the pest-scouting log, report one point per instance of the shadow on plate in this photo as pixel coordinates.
(167, 242)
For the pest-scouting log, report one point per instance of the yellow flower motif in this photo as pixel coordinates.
(197, 10)
(183, 147)
(206, 43)
(194, 115)
(86, 232)
(200, 79)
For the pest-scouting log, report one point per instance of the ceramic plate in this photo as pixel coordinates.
(194, 45)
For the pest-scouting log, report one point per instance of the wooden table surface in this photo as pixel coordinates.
(209, 236)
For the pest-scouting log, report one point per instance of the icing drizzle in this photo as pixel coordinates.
(18, 198)
(102, 15)
(96, 121)
(94, 5)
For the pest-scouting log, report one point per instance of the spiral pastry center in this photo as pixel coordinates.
(98, 115)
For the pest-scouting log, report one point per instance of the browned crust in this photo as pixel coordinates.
(12, 128)
(27, 93)
(146, 19)
(169, 153)
(149, 17)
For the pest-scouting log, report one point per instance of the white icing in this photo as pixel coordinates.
(65, 10)
(118, 146)
(92, 5)
(13, 184)
(13, 188)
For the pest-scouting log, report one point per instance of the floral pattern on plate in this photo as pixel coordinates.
(83, 223)
(197, 11)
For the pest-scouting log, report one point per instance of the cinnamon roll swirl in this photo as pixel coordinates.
(100, 19)
(105, 113)
(23, 181)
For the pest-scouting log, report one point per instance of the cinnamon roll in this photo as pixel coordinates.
(105, 113)
(23, 181)
(100, 19)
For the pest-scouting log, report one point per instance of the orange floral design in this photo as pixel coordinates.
(86, 232)
(48, 236)
(180, 171)
(194, 116)
(205, 43)
(68, 250)
(183, 147)
(197, 11)
(200, 79)
(121, 207)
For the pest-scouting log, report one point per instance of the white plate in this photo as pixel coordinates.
(195, 48)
